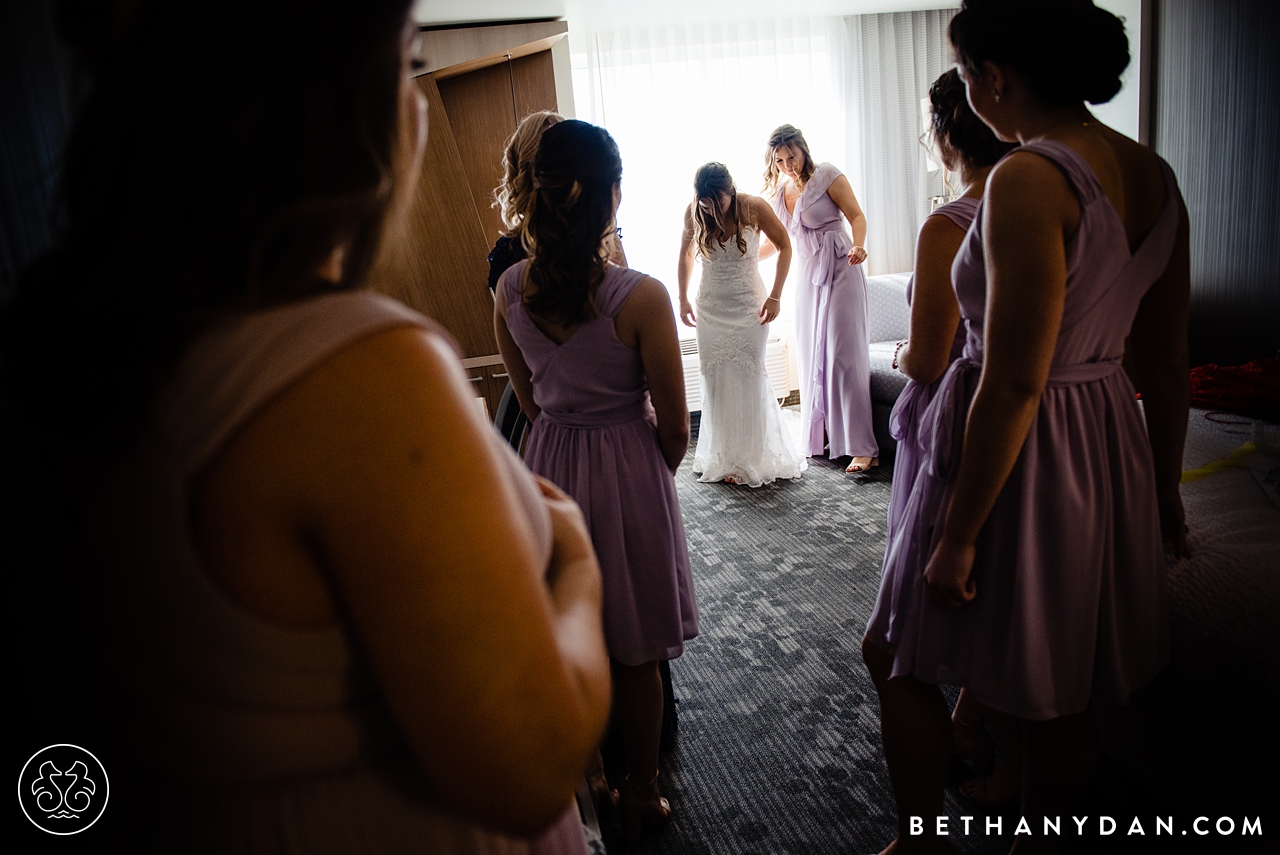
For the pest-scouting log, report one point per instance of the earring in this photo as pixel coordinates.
(996, 93)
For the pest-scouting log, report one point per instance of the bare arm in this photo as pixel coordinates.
(517, 369)
(646, 322)
(1157, 354)
(934, 312)
(684, 269)
(380, 469)
(842, 194)
(771, 227)
(1030, 209)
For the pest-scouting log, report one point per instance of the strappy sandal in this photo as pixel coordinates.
(642, 802)
(855, 467)
(604, 796)
(981, 793)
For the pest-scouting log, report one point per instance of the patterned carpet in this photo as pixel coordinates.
(779, 747)
(779, 744)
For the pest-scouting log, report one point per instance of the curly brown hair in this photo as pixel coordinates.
(785, 135)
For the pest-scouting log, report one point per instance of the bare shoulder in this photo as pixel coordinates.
(938, 227)
(648, 295)
(1025, 180)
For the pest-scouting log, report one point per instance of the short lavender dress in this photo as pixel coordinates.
(831, 325)
(904, 421)
(1070, 572)
(596, 439)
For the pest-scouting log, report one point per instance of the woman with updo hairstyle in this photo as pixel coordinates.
(335, 612)
(831, 299)
(741, 438)
(593, 356)
(514, 195)
(1028, 566)
(967, 147)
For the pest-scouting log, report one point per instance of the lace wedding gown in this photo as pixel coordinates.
(741, 436)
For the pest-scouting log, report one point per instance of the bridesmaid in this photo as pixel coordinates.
(831, 299)
(1029, 566)
(593, 355)
(968, 147)
(513, 197)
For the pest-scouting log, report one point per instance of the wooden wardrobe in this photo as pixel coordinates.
(494, 77)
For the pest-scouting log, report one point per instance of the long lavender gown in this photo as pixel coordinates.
(831, 324)
(915, 397)
(1069, 566)
(596, 439)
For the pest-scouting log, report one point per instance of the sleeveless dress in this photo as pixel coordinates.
(741, 432)
(1069, 567)
(596, 438)
(264, 738)
(831, 325)
(915, 398)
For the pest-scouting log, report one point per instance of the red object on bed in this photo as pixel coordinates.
(1252, 389)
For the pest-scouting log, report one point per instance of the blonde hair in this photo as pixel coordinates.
(513, 197)
(709, 182)
(785, 135)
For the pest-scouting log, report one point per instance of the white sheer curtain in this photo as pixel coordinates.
(891, 60)
(676, 97)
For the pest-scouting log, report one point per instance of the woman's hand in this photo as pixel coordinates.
(857, 255)
(686, 314)
(770, 309)
(1173, 523)
(573, 574)
(949, 575)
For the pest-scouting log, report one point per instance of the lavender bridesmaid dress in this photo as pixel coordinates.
(831, 325)
(1070, 570)
(915, 397)
(596, 439)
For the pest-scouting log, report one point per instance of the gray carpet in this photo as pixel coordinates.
(779, 745)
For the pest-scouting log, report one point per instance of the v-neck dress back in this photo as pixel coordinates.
(1069, 567)
(596, 438)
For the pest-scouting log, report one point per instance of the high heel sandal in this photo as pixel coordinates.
(972, 742)
(642, 801)
(605, 797)
(855, 467)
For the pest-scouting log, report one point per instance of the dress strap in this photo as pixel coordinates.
(1072, 163)
(617, 286)
(236, 368)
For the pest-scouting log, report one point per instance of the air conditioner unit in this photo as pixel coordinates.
(775, 365)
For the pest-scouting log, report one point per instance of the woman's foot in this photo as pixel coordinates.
(604, 796)
(731, 479)
(642, 802)
(936, 846)
(1002, 786)
(973, 743)
(861, 464)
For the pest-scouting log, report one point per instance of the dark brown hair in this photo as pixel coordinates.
(954, 127)
(574, 175)
(1069, 50)
(219, 158)
(709, 182)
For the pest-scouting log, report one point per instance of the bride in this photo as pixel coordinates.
(741, 439)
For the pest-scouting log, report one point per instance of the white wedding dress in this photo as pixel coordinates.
(741, 435)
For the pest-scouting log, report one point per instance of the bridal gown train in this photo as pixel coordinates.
(741, 436)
